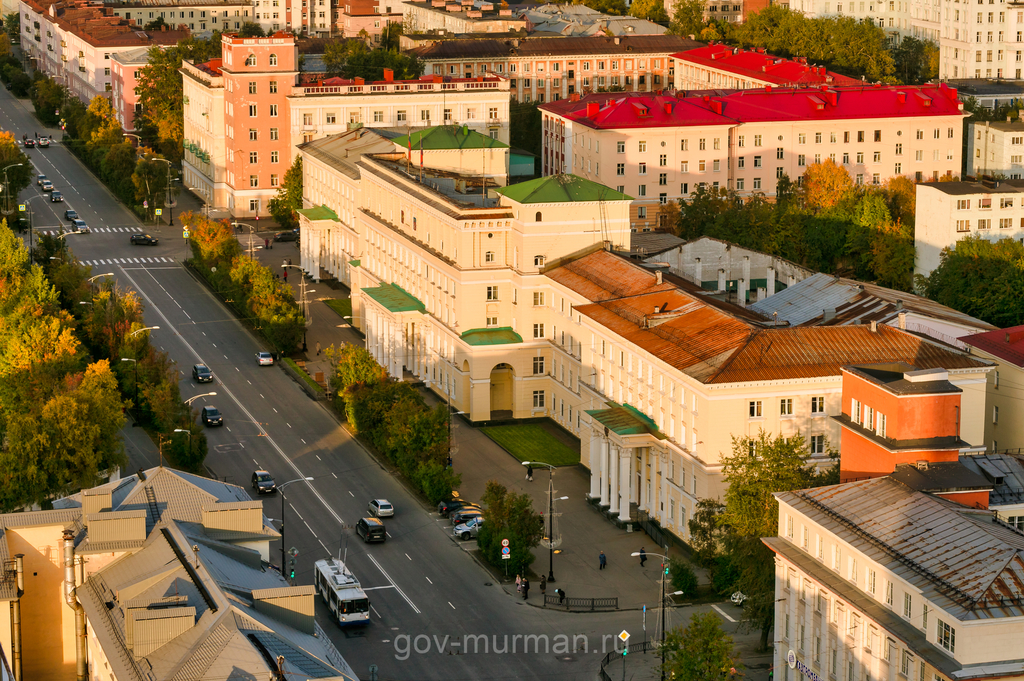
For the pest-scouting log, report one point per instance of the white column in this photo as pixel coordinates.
(645, 494)
(605, 470)
(663, 492)
(625, 484)
(614, 467)
(634, 491)
(397, 347)
(595, 471)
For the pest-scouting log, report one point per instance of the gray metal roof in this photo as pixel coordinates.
(1004, 471)
(649, 244)
(963, 560)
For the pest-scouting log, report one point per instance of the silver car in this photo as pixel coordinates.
(381, 508)
(469, 529)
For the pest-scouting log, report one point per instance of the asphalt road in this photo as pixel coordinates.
(426, 591)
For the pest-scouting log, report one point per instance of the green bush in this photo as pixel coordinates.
(683, 577)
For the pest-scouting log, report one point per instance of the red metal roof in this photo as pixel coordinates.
(1006, 344)
(643, 110)
(758, 65)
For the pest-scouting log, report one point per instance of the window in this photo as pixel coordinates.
(538, 366)
(757, 161)
(307, 119)
(817, 405)
(253, 135)
(757, 183)
(906, 662)
(780, 153)
(254, 180)
(274, 156)
(641, 212)
(250, 60)
(538, 298)
(757, 140)
(995, 414)
(273, 134)
(538, 399)
(252, 111)
(908, 601)
(254, 157)
(489, 256)
(273, 87)
(620, 147)
(538, 330)
(620, 169)
(252, 87)
(273, 110)
(538, 261)
(786, 406)
(946, 636)
(401, 116)
(492, 321)
(817, 444)
(801, 138)
(755, 409)
(273, 60)
(274, 180)
(492, 293)
(878, 135)
(888, 593)
(330, 119)
(642, 146)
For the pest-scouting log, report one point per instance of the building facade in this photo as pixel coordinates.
(460, 17)
(200, 19)
(1004, 387)
(549, 69)
(949, 211)
(876, 580)
(246, 112)
(73, 43)
(124, 73)
(995, 148)
(659, 148)
(723, 67)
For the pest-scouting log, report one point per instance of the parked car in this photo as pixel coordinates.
(469, 529)
(80, 226)
(371, 530)
(56, 197)
(465, 514)
(290, 235)
(70, 214)
(263, 482)
(381, 508)
(40, 179)
(447, 507)
(264, 359)
(30, 142)
(212, 417)
(202, 373)
(47, 186)
(144, 239)
(44, 142)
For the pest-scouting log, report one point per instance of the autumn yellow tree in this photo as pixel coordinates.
(825, 185)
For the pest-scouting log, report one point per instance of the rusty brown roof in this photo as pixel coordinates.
(602, 275)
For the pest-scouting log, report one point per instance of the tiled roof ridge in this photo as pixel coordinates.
(952, 591)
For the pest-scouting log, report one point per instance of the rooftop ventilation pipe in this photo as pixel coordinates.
(71, 598)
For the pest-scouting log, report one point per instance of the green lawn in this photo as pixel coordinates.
(343, 306)
(531, 442)
(302, 372)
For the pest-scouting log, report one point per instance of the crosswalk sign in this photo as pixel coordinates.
(159, 211)
(21, 207)
(184, 233)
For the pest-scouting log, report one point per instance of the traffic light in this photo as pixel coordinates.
(291, 568)
(624, 652)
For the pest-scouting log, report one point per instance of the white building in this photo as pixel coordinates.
(874, 580)
(995, 148)
(949, 211)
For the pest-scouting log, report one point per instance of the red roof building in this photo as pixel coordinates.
(720, 66)
(659, 147)
(1004, 389)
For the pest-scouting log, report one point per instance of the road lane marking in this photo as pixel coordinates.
(723, 613)
(352, 495)
(376, 588)
(275, 409)
(450, 603)
(375, 611)
(335, 476)
(400, 592)
(297, 513)
(428, 579)
(407, 556)
(325, 547)
(309, 528)
(318, 457)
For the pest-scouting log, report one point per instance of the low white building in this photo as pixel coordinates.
(874, 580)
(996, 148)
(949, 211)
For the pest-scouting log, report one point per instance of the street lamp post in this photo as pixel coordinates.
(136, 360)
(551, 515)
(170, 209)
(189, 433)
(279, 491)
(91, 279)
(252, 230)
(7, 188)
(664, 572)
(302, 302)
(31, 225)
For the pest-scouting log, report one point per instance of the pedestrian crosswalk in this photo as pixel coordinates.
(129, 261)
(54, 231)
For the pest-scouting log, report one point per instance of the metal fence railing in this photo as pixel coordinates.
(590, 604)
(642, 647)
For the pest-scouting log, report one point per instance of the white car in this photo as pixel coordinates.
(264, 359)
(469, 529)
(381, 508)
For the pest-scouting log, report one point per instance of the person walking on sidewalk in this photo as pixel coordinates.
(529, 472)
(603, 560)
(318, 347)
(519, 584)
(643, 556)
(526, 589)
(543, 585)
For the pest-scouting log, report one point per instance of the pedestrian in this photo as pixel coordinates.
(519, 584)
(526, 589)
(286, 275)
(529, 472)
(543, 585)
(449, 462)
(603, 560)
(561, 595)
(266, 243)
(643, 556)
(318, 347)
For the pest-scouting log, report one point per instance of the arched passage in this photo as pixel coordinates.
(502, 391)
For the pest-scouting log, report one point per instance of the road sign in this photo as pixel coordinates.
(293, 552)
(184, 233)
(159, 211)
(506, 550)
(504, 542)
(21, 207)
(624, 636)
(145, 204)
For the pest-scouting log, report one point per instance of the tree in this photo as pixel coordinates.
(251, 29)
(683, 578)
(701, 652)
(614, 7)
(288, 201)
(335, 55)
(12, 24)
(916, 61)
(509, 515)
(825, 185)
(150, 180)
(982, 279)
(157, 24)
(707, 532)
(525, 130)
(19, 177)
(652, 10)
(688, 18)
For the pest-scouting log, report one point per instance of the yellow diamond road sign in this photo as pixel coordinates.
(624, 636)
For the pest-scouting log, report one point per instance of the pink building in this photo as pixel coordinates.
(124, 71)
(720, 66)
(365, 15)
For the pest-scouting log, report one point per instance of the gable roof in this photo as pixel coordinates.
(757, 65)
(448, 137)
(560, 189)
(1004, 344)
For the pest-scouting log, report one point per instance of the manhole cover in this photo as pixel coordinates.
(488, 584)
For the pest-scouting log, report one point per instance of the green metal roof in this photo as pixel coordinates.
(449, 137)
(320, 212)
(395, 298)
(355, 263)
(561, 189)
(502, 335)
(623, 419)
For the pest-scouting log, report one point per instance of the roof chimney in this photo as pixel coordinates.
(657, 276)
(389, 75)
(874, 326)
(902, 321)
(593, 108)
(922, 465)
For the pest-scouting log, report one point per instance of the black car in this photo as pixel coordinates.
(202, 373)
(446, 507)
(464, 514)
(30, 142)
(291, 235)
(263, 482)
(212, 417)
(56, 197)
(144, 239)
(70, 214)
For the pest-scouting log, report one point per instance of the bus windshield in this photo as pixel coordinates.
(355, 605)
